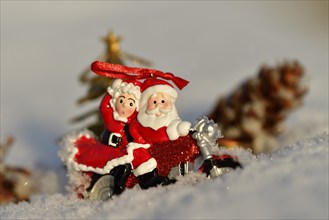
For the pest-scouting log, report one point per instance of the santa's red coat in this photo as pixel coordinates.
(147, 135)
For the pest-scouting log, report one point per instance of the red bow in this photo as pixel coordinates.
(122, 72)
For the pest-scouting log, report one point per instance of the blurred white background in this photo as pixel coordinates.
(45, 45)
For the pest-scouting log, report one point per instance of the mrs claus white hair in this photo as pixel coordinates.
(118, 88)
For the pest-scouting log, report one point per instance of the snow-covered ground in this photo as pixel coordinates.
(290, 184)
(215, 45)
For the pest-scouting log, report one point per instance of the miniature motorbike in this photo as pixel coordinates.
(176, 158)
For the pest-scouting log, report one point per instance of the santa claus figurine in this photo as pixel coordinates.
(144, 134)
(157, 121)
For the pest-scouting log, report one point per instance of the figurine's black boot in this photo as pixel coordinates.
(120, 174)
(152, 179)
(208, 165)
(211, 167)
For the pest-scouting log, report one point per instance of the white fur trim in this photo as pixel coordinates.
(117, 117)
(132, 146)
(68, 151)
(145, 167)
(118, 161)
(107, 168)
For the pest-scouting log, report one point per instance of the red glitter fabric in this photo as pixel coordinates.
(169, 155)
(132, 181)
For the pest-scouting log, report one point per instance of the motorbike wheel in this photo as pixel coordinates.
(102, 189)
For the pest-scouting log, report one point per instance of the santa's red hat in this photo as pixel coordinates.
(154, 85)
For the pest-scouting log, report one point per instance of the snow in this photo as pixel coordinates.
(290, 184)
(215, 45)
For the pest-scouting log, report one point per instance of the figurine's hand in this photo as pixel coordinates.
(178, 128)
(183, 128)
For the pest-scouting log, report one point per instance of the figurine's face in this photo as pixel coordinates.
(159, 104)
(125, 105)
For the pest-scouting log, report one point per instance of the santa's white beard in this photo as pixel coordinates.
(149, 119)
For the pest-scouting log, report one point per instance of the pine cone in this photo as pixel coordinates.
(253, 114)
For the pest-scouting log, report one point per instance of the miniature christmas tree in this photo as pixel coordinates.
(98, 84)
(252, 115)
